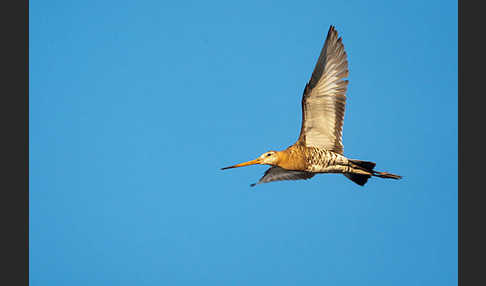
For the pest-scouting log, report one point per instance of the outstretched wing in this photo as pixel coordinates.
(324, 97)
(275, 173)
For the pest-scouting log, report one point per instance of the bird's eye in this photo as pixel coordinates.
(269, 154)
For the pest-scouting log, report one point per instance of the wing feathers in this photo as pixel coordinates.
(275, 173)
(324, 99)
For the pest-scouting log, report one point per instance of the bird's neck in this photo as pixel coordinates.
(291, 159)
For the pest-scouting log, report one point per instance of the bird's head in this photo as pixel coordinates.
(267, 158)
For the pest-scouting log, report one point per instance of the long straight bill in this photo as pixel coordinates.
(252, 162)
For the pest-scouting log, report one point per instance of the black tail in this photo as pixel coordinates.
(358, 178)
(365, 165)
(368, 167)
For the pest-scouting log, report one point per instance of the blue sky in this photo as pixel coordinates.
(135, 105)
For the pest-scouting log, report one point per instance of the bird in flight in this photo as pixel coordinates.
(319, 148)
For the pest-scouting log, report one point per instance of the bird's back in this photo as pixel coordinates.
(320, 160)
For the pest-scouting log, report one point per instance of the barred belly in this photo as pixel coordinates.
(325, 161)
